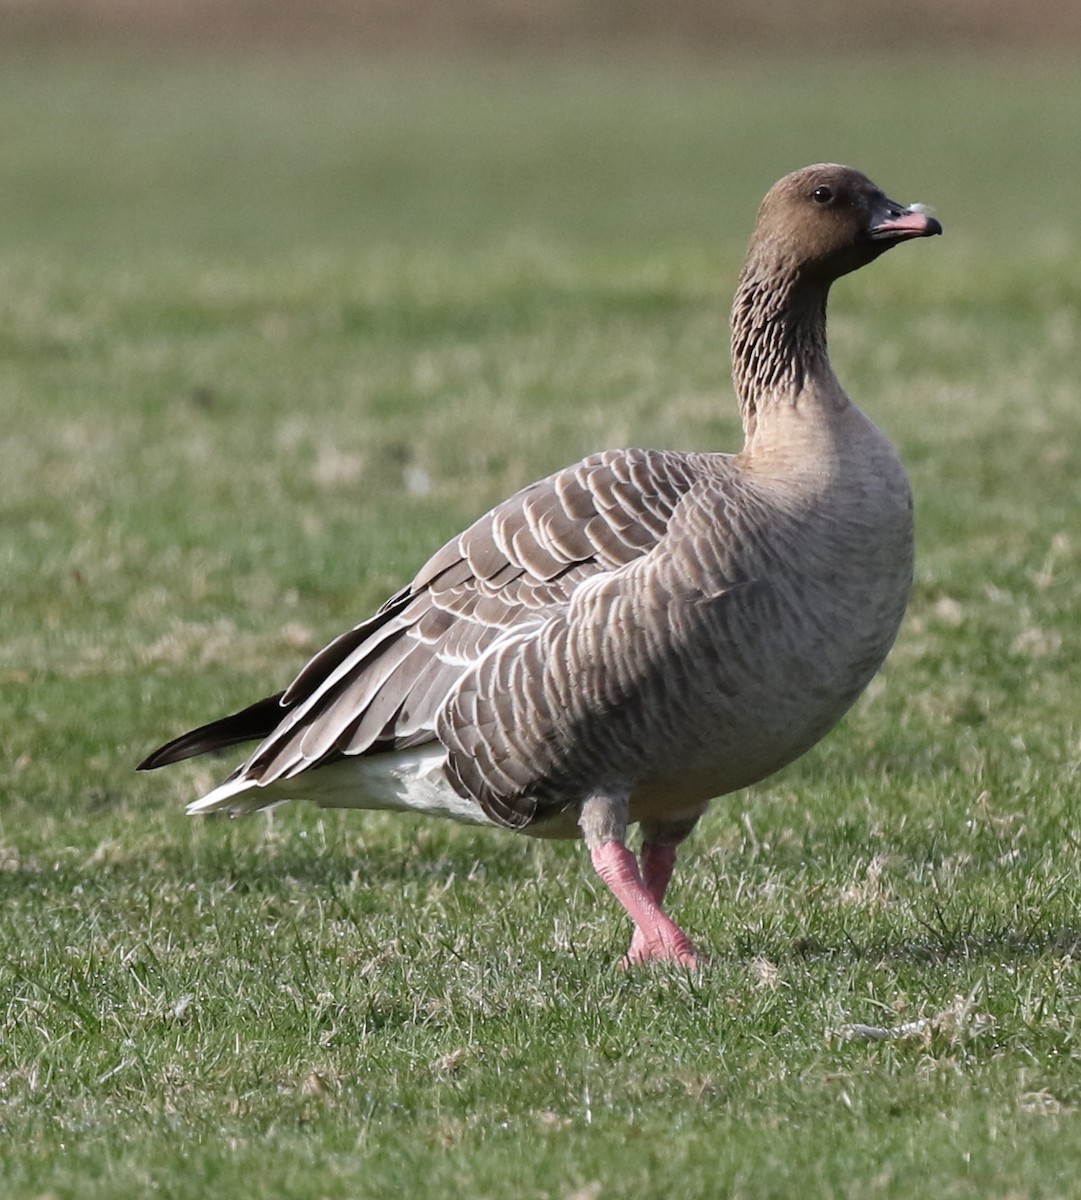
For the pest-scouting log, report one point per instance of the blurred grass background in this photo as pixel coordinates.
(538, 26)
(284, 301)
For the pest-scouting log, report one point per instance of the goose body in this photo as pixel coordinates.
(640, 632)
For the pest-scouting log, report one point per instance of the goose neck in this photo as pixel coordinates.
(778, 341)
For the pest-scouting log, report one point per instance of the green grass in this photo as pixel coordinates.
(269, 330)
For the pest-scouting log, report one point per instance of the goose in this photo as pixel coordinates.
(641, 632)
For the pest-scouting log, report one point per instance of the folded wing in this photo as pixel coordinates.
(383, 685)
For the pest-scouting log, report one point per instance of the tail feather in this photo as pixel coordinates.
(249, 725)
(237, 796)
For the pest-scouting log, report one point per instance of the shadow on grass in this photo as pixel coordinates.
(270, 869)
(935, 947)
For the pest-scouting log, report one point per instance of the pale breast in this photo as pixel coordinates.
(823, 551)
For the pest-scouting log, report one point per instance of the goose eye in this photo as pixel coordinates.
(822, 195)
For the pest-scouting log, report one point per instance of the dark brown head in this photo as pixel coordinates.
(827, 220)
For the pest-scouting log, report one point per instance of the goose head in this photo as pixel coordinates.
(825, 220)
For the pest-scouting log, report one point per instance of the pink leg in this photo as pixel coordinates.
(656, 936)
(658, 860)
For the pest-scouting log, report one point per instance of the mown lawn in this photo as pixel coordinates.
(270, 329)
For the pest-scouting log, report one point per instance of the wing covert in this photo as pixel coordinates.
(383, 683)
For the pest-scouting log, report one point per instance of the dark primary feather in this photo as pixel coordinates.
(255, 721)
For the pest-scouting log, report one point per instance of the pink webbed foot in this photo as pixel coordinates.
(661, 947)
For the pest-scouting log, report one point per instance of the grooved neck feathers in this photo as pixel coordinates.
(778, 337)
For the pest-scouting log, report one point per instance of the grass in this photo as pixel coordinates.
(269, 330)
